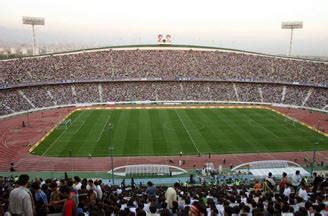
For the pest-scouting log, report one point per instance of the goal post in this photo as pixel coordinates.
(65, 124)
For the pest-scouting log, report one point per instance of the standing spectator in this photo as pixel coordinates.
(283, 182)
(171, 194)
(123, 184)
(269, 182)
(287, 190)
(77, 183)
(91, 185)
(92, 195)
(70, 207)
(316, 182)
(133, 184)
(98, 189)
(296, 180)
(40, 198)
(83, 197)
(20, 199)
(257, 186)
(151, 189)
(303, 193)
(55, 197)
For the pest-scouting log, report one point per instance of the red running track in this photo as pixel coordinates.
(15, 141)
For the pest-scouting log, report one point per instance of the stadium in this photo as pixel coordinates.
(216, 120)
(187, 97)
(160, 104)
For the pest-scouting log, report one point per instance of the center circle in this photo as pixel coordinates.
(190, 126)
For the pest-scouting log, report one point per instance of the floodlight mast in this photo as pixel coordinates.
(291, 25)
(33, 21)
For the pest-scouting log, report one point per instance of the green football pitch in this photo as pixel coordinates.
(146, 132)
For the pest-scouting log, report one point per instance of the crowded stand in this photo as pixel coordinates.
(15, 100)
(87, 93)
(136, 63)
(285, 195)
(118, 75)
(273, 93)
(295, 95)
(40, 100)
(249, 93)
(318, 98)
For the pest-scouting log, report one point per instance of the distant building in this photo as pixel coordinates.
(50, 50)
(13, 51)
(24, 51)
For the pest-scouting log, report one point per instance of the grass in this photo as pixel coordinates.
(169, 131)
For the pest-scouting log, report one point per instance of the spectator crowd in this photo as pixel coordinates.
(83, 77)
(26, 98)
(288, 195)
(111, 64)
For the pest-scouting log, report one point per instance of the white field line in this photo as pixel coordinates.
(44, 153)
(251, 119)
(280, 117)
(102, 131)
(193, 142)
(76, 130)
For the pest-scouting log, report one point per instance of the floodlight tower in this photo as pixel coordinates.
(33, 21)
(291, 25)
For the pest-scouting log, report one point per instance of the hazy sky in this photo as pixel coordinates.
(243, 24)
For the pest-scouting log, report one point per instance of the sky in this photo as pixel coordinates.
(253, 25)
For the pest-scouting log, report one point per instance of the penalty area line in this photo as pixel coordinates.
(55, 141)
(184, 126)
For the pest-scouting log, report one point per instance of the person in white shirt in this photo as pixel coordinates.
(77, 183)
(287, 190)
(91, 185)
(171, 194)
(98, 189)
(303, 193)
(296, 180)
(21, 199)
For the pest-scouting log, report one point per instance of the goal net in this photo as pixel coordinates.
(65, 124)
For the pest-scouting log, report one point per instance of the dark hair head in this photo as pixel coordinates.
(64, 189)
(53, 185)
(70, 182)
(152, 209)
(177, 185)
(77, 179)
(149, 183)
(23, 179)
(35, 185)
(141, 212)
(297, 172)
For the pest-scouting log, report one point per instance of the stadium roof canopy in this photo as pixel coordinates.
(276, 167)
